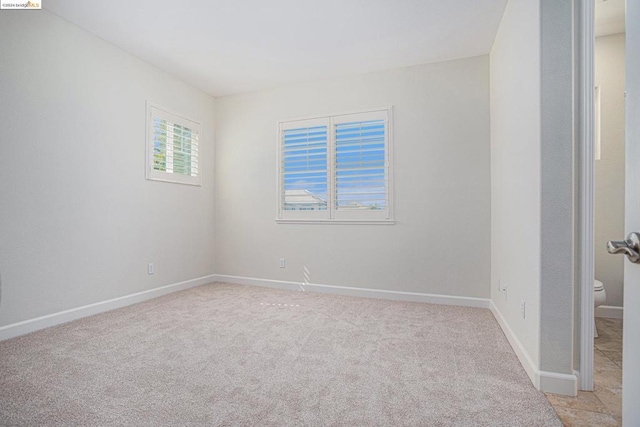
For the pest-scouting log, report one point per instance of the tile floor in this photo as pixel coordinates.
(603, 406)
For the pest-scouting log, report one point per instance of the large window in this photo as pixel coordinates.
(336, 168)
(172, 147)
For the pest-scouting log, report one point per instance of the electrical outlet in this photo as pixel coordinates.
(523, 306)
(151, 268)
(282, 263)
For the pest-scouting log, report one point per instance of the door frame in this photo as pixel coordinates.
(585, 132)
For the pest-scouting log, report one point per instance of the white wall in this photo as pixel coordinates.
(515, 172)
(609, 181)
(78, 220)
(440, 241)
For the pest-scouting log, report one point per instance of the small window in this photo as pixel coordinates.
(336, 168)
(172, 147)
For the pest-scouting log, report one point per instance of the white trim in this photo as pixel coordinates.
(610, 311)
(306, 123)
(151, 174)
(357, 292)
(551, 382)
(598, 124)
(31, 325)
(516, 345)
(337, 221)
(586, 256)
(344, 113)
(577, 375)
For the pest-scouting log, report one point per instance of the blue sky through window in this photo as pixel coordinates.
(360, 165)
(305, 168)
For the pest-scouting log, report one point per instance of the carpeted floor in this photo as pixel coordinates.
(232, 355)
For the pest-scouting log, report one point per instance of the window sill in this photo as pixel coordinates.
(177, 180)
(337, 221)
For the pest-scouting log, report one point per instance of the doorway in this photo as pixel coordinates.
(609, 200)
(601, 199)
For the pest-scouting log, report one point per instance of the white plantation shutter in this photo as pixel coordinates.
(360, 163)
(303, 168)
(172, 147)
(336, 168)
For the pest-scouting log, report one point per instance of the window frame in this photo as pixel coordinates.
(154, 110)
(332, 215)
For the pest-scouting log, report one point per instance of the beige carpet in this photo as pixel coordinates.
(232, 355)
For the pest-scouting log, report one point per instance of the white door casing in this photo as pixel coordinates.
(585, 71)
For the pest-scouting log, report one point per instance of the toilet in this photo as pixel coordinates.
(599, 297)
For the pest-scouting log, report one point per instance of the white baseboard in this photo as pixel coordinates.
(553, 382)
(31, 325)
(525, 360)
(578, 376)
(358, 292)
(610, 311)
(550, 382)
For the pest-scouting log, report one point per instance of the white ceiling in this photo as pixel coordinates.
(609, 16)
(227, 47)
